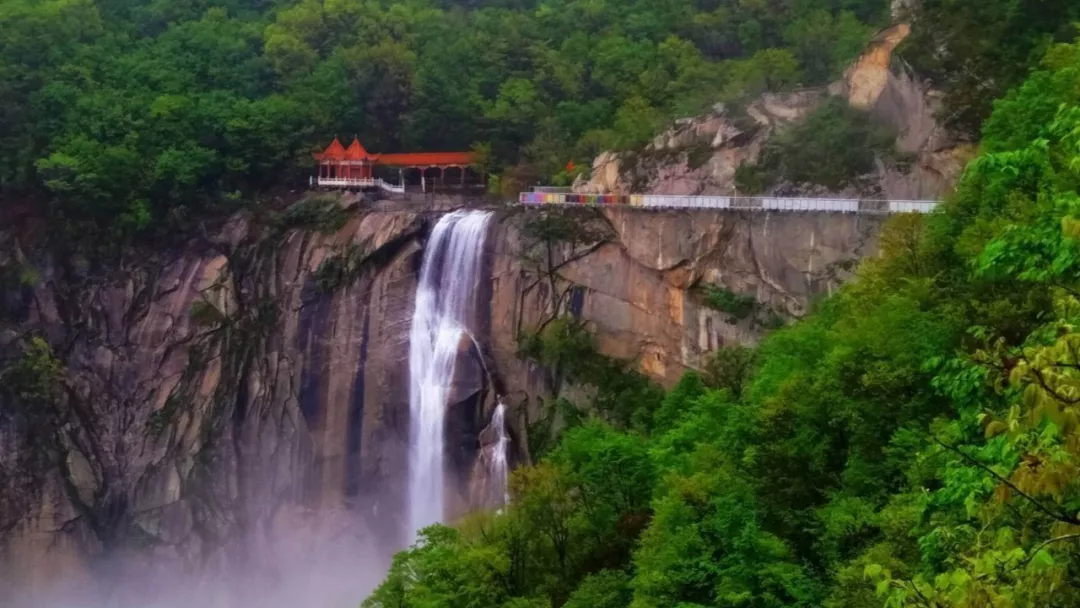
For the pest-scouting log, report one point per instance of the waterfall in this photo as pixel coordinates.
(499, 468)
(444, 306)
(488, 480)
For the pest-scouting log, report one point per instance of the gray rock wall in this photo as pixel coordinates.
(200, 440)
(190, 436)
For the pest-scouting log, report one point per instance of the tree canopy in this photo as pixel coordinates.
(129, 117)
(132, 116)
(915, 442)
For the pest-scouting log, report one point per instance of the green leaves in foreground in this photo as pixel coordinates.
(913, 443)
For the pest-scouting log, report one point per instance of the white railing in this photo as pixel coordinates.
(911, 206)
(398, 189)
(662, 201)
(343, 182)
(353, 182)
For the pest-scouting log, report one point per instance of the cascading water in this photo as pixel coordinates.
(499, 467)
(444, 303)
(487, 483)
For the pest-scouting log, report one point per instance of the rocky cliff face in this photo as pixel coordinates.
(641, 290)
(211, 395)
(699, 155)
(244, 399)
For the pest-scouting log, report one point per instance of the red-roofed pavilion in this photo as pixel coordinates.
(354, 166)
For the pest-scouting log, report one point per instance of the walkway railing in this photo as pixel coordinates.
(661, 201)
(351, 182)
(552, 189)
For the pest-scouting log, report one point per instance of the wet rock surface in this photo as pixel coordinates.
(217, 394)
(206, 389)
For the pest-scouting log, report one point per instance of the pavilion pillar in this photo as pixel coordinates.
(462, 176)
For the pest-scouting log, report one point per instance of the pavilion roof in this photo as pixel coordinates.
(335, 151)
(422, 159)
(356, 151)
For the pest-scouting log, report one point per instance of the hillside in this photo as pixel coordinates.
(129, 117)
(219, 388)
(913, 442)
(877, 132)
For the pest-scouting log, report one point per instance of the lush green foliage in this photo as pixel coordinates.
(565, 347)
(731, 368)
(136, 115)
(36, 378)
(977, 50)
(914, 442)
(834, 145)
(340, 269)
(723, 299)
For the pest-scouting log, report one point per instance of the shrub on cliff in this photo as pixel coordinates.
(915, 442)
(137, 117)
(833, 146)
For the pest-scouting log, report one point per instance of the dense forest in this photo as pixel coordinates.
(131, 117)
(913, 442)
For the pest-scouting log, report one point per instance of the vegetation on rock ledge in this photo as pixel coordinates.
(913, 443)
(340, 269)
(725, 300)
(833, 147)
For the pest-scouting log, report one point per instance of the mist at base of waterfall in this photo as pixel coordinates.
(328, 562)
(320, 559)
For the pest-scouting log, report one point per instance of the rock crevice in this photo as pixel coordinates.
(222, 397)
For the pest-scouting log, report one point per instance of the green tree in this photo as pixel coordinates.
(769, 70)
(825, 44)
(833, 146)
(979, 50)
(706, 546)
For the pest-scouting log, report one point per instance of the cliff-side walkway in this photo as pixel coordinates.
(751, 203)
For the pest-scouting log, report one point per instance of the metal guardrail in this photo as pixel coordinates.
(340, 182)
(661, 201)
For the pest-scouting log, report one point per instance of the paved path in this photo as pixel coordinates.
(662, 201)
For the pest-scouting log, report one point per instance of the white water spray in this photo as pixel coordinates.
(499, 468)
(444, 306)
